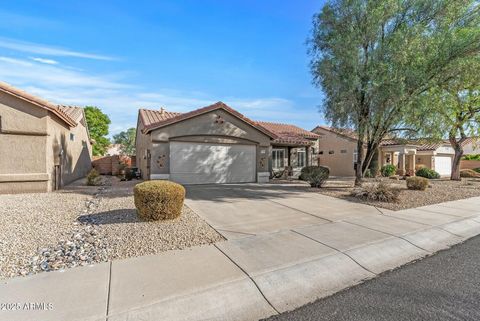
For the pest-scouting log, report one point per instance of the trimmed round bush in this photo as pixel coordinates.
(427, 173)
(388, 170)
(315, 175)
(417, 183)
(159, 200)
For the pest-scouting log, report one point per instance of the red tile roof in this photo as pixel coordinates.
(157, 119)
(73, 112)
(345, 132)
(55, 109)
(289, 134)
(151, 117)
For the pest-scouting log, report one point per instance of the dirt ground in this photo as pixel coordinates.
(441, 190)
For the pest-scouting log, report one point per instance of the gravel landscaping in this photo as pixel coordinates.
(441, 190)
(84, 225)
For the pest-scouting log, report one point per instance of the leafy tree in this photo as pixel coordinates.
(373, 58)
(452, 108)
(127, 141)
(98, 124)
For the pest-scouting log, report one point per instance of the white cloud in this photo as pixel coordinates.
(121, 100)
(40, 49)
(45, 61)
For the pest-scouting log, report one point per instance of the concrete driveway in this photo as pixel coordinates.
(239, 210)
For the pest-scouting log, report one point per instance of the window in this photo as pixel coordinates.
(320, 152)
(301, 157)
(331, 152)
(72, 137)
(278, 156)
(343, 151)
(355, 156)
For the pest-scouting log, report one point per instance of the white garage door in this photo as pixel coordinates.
(443, 165)
(202, 163)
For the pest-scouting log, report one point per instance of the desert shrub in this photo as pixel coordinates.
(427, 173)
(369, 174)
(388, 170)
(380, 191)
(469, 173)
(129, 174)
(93, 178)
(417, 183)
(472, 157)
(159, 200)
(315, 175)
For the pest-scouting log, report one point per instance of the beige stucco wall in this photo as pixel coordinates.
(31, 135)
(22, 157)
(76, 159)
(340, 164)
(472, 148)
(424, 161)
(202, 128)
(142, 144)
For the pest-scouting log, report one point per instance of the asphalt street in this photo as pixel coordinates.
(445, 286)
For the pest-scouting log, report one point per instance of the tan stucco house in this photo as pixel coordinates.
(471, 146)
(217, 144)
(338, 151)
(43, 146)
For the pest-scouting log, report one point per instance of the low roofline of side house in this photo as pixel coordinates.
(37, 101)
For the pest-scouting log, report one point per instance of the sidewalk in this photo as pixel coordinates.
(245, 278)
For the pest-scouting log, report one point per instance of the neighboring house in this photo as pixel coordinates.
(471, 146)
(114, 149)
(43, 146)
(338, 151)
(214, 144)
(295, 147)
(410, 156)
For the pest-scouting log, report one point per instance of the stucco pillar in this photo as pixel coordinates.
(402, 163)
(414, 159)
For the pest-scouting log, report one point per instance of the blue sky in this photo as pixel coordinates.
(181, 55)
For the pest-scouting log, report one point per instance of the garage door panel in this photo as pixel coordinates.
(443, 165)
(197, 163)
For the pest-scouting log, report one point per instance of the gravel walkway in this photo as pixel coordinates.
(84, 225)
(439, 191)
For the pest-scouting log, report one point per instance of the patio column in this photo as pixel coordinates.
(413, 164)
(402, 163)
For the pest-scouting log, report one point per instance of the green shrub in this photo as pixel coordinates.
(417, 183)
(315, 175)
(159, 200)
(381, 191)
(93, 178)
(388, 170)
(368, 173)
(472, 157)
(477, 169)
(427, 173)
(469, 173)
